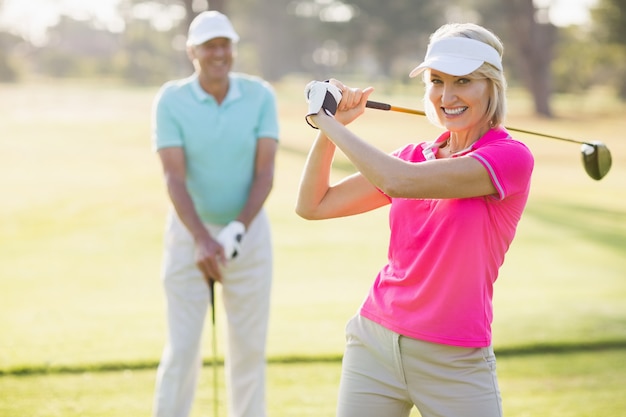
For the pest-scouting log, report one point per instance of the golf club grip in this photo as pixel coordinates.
(212, 299)
(384, 106)
(377, 105)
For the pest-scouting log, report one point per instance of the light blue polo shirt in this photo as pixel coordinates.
(219, 141)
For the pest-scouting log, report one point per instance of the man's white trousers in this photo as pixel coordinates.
(245, 295)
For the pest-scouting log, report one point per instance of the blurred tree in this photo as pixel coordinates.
(367, 37)
(8, 42)
(140, 54)
(8, 69)
(219, 5)
(126, 7)
(278, 38)
(326, 38)
(148, 57)
(191, 8)
(610, 20)
(394, 29)
(533, 37)
(576, 60)
(269, 34)
(609, 25)
(323, 37)
(76, 49)
(529, 40)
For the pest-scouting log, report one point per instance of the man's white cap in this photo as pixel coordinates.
(209, 25)
(458, 56)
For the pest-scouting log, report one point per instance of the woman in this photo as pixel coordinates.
(423, 334)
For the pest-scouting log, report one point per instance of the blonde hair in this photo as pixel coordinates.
(496, 109)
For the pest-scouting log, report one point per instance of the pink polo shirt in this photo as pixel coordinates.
(444, 254)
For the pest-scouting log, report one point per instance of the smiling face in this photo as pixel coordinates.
(213, 59)
(459, 102)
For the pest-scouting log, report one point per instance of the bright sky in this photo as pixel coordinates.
(568, 12)
(18, 14)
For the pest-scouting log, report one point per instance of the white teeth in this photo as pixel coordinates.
(456, 111)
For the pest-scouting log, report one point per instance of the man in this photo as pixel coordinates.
(216, 135)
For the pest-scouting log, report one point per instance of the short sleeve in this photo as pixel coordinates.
(166, 131)
(509, 164)
(268, 123)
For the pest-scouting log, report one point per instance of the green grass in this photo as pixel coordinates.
(564, 385)
(81, 223)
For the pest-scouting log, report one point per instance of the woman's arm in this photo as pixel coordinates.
(443, 178)
(318, 199)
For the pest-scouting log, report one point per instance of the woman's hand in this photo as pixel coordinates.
(352, 103)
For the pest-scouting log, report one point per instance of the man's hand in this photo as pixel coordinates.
(321, 95)
(209, 256)
(230, 238)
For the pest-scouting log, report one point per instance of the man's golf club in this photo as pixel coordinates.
(595, 155)
(214, 347)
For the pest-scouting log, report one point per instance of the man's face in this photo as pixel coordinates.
(214, 58)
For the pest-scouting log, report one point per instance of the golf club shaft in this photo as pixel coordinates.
(214, 348)
(384, 106)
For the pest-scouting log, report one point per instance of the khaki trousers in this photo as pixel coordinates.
(385, 374)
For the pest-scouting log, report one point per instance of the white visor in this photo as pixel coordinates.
(458, 56)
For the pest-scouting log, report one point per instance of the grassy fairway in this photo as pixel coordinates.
(81, 224)
(564, 385)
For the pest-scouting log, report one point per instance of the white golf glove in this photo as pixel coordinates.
(230, 238)
(321, 95)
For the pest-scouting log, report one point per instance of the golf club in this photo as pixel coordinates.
(214, 347)
(595, 155)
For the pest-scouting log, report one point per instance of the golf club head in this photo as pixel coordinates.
(596, 159)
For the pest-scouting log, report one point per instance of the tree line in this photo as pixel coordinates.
(371, 38)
